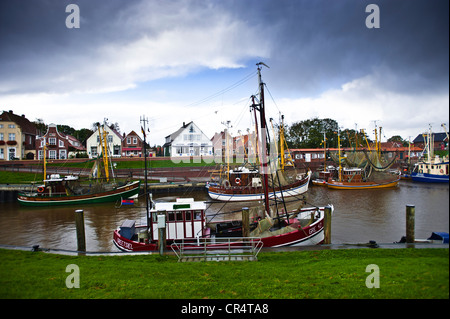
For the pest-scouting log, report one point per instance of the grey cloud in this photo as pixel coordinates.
(310, 45)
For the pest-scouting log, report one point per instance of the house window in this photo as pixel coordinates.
(12, 136)
(62, 154)
(1, 136)
(52, 141)
(40, 155)
(128, 140)
(134, 140)
(93, 151)
(11, 126)
(52, 154)
(61, 143)
(110, 138)
(2, 153)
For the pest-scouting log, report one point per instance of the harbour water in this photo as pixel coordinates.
(359, 216)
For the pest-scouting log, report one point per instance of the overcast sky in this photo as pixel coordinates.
(178, 61)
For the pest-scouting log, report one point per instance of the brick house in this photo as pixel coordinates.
(440, 141)
(17, 137)
(132, 145)
(59, 145)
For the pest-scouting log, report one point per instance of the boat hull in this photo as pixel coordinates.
(310, 235)
(126, 191)
(429, 178)
(362, 185)
(236, 194)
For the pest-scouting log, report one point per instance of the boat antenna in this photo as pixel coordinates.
(262, 63)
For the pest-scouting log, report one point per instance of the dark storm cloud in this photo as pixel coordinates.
(313, 45)
(38, 51)
(320, 43)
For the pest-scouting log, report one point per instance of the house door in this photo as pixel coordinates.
(11, 153)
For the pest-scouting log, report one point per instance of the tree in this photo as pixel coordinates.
(310, 133)
(40, 126)
(398, 138)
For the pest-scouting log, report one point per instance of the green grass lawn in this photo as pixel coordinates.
(7, 177)
(14, 177)
(403, 273)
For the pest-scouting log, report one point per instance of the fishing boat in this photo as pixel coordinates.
(185, 219)
(364, 169)
(70, 190)
(323, 175)
(352, 178)
(246, 183)
(431, 169)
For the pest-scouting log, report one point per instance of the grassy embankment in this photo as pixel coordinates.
(403, 273)
(15, 177)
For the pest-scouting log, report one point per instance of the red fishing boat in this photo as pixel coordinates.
(185, 219)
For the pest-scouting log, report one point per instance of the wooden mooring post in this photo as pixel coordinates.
(81, 237)
(327, 225)
(410, 223)
(245, 222)
(161, 231)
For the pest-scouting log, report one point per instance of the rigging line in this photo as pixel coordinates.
(221, 92)
(273, 100)
(241, 115)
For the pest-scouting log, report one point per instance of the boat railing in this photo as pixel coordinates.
(217, 249)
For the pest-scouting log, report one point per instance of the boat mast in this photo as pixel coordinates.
(144, 120)
(263, 139)
(324, 151)
(103, 141)
(45, 159)
(339, 148)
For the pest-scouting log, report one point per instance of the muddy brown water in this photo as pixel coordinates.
(359, 216)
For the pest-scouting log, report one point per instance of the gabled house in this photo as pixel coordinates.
(114, 140)
(132, 145)
(188, 140)
(59, 145)
(440, 141)
(17, 137)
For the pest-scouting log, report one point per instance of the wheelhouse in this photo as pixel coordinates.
(184, 218)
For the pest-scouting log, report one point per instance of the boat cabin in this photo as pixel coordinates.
(436, 168)
(243, 176)
(352, 175)
(56, 185)
(184, 218)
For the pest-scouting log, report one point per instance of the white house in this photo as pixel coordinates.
(188, 140)
(114, 139)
